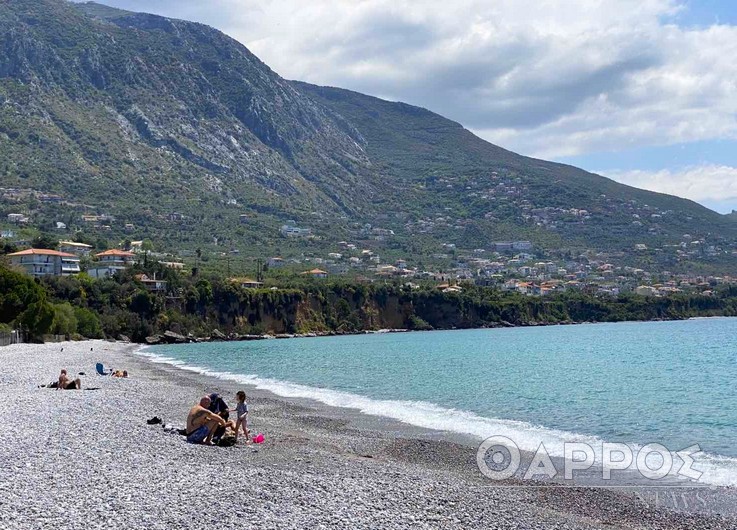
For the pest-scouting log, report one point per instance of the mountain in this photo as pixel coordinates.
(179, 130)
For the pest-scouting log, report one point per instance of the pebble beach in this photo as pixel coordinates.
(87, 459)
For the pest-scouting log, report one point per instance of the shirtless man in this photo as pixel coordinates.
(201, 423)
(66, 384)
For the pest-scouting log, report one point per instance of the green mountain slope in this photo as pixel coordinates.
(178, 129)
(417, 146)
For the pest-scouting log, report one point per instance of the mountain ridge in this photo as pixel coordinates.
(146, 116)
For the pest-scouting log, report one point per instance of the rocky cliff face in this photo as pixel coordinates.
(169, 89)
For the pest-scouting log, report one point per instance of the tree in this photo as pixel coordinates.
(64, 322)
(37, 320)
(143, 304)
(88, 323)
(45, 241)
(17, 292)
(101, 244)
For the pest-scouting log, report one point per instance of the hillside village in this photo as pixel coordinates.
(371, 255)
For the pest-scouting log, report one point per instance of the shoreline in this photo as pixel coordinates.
(435, 421)
(176, 338)
(320, 465)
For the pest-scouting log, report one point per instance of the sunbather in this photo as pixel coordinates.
(65, 383)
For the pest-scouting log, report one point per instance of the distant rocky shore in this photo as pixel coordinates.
(169, 337)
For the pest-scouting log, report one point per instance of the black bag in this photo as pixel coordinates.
(226, 441)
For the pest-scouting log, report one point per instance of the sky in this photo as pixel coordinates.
(641, 91)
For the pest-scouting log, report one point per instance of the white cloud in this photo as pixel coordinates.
(708, 183)
(547, 78)
(551, 79)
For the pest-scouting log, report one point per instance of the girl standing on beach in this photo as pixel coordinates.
(241, 411)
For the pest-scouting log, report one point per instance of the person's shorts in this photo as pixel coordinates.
(198, 435)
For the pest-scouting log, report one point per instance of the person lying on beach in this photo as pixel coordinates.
(65, 383)
(120, 373)
(201, 423)
(241, 411)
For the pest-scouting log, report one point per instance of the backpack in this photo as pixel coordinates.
(226, 441)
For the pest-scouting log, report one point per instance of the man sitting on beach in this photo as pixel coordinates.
(201, 423)
(66, 384)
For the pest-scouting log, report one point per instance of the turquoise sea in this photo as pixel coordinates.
(671, 383)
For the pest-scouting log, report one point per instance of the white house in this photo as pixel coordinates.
(152, 285)
(110, 262)
(295, 231)
(43, 262)
(72, 247)
(17, 218)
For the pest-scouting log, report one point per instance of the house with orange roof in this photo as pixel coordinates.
(316, 273)
(44, 262)
(110, 262)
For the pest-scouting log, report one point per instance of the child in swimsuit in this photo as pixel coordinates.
(241, 411)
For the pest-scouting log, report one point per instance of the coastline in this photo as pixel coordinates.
(320, 465)
(217, 336)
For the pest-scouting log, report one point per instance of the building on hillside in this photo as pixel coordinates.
(646, 290)
(521, 245)
(502, 246)
(289, 230)
(247, 283)
(49, 197)
(60, 225)
(72, 247)
(43, 262)
(7, 234)
(176, 265)
(316, 273)
(110, 262)
(152, 285)
(17, 218)
(276, 262)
